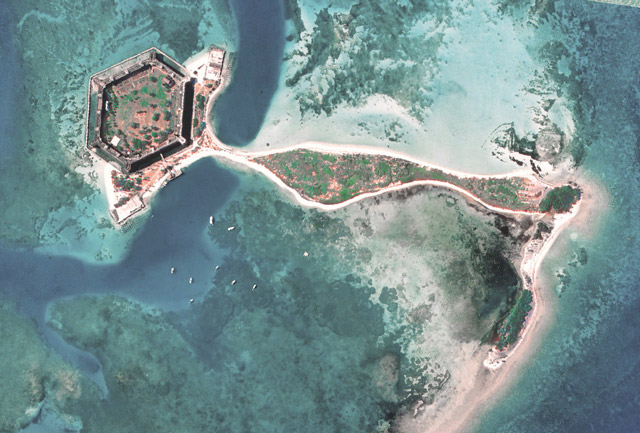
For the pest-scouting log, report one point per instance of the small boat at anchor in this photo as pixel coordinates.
(231, 228)
(191, 280)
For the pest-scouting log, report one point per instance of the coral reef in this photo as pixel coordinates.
(32, 376)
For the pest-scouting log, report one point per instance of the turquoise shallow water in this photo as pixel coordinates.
(337, 341)
(586, 375)
(289, 353)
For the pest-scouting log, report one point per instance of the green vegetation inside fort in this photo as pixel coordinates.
(334, 178)
(560, 199)
(200, 99)
(510, 328)
(139, 113)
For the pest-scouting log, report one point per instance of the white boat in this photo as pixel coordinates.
(231, 228)
(306, 254)
(211, 220)
(255, 286)
(191, 280)
(191, 301)
(233, 282)
(217, 267)
(173, 270)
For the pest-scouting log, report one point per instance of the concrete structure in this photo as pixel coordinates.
(215, 64)
(130, 208)
(98, 108)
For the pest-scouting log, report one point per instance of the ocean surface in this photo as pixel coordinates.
(384, 307)
(256, 71)
(585, 376)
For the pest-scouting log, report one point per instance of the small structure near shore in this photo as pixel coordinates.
(215, 64)
(127, 210)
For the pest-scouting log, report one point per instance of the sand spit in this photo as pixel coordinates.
(532, 255)
(489, 371)
(486, 377)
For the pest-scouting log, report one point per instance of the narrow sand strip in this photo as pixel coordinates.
(242, 160)
(486, 383)
(484, 387)
(368, 150)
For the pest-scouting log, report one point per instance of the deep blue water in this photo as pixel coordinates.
(241, 109)
(176, 232)
(174, 236)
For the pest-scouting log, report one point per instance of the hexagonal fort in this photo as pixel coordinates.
(140, 110)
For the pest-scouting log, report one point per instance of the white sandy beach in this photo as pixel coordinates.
(104, 169)
(486, 385)
(479, 387)
(480, 383)
(241, 158)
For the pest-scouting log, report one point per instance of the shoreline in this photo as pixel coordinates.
(485, 386)
(533, 254)
(490, 375)
(240, 159)
(490, 381)
(341, 148)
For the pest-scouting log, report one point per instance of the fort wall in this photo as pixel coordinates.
(117, 74)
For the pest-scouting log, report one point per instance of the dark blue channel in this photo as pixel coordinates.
(173, 236)
(241, 109)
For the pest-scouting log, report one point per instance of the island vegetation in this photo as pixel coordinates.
(560, 199)
(331, 178)
(510, 329)
(124, 182)
(138, 111)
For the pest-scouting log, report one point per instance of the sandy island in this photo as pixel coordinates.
(487, 378)
(487, 384)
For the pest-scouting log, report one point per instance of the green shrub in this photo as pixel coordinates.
(560, 199)
(510, 329)
(138, 144)
(156, 116)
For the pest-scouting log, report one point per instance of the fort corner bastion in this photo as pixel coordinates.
(140, 110)
(145, 116)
